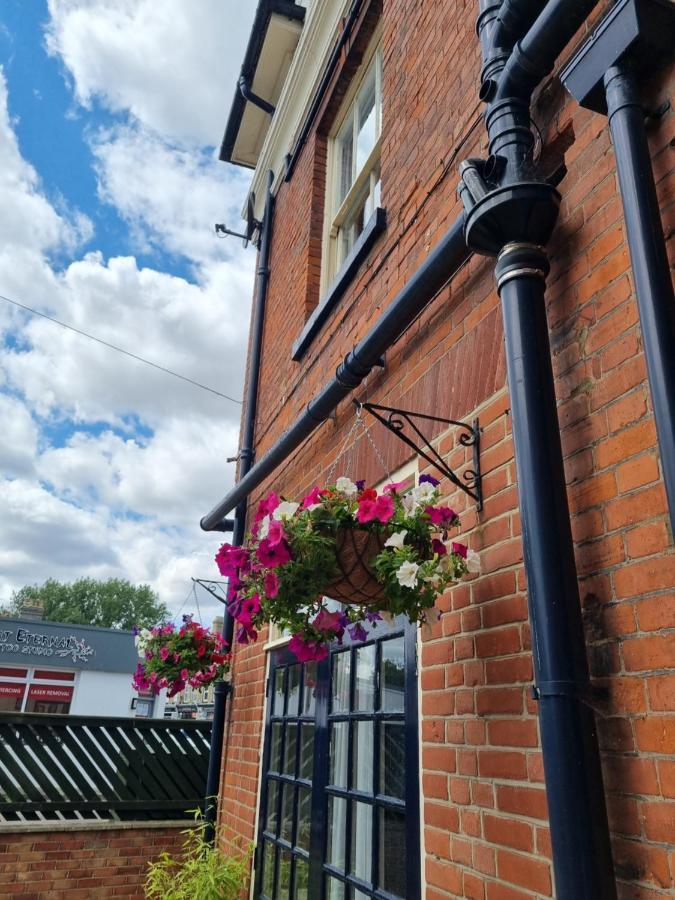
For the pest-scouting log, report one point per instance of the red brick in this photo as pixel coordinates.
(508, 832)
(525, 871)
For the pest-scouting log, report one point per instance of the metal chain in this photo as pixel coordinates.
(359, 424)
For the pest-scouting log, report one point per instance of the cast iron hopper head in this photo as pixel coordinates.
(524, 213)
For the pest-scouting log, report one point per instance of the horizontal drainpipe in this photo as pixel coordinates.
(441, 264)
(514, 220)
(246, 453)
(651, 272)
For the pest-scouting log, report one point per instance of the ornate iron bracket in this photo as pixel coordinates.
(396, 420)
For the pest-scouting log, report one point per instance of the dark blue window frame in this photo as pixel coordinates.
(286, 859)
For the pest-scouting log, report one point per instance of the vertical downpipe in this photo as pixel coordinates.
(578, 820)
(649, 260)
(246, 454)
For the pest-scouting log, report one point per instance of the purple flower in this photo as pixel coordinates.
(373, 617)
(360, 484)
(357, 632)
(135, 631)
(430, 480)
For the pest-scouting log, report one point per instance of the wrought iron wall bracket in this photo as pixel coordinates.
(397, 420)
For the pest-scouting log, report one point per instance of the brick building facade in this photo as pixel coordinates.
(484, 823)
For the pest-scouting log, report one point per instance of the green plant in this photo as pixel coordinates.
(200, 872)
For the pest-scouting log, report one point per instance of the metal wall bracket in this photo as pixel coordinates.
(397, 420)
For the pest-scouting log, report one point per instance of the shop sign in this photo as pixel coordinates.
(11, 690)
(55, 693)
(39, 643)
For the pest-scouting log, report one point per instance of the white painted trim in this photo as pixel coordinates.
(322, 25)
(261, 756)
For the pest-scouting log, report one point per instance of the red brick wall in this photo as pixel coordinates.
(79, 865)
(485, 819)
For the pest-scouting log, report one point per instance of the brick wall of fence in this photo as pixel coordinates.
(99, 860)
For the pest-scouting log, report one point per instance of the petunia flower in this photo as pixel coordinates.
(438, 547)
(406, 574)
(367, 511)
(429, 479)
(357, 632)
(472, 560)
(394, 487)
(460, 549)
(360, 484)
(305, 651)
(328, 622)
(346, 486)
(396, 540)
(285, 510)
(276, 533)
(271, 585)
(384, 509)
(312, 500)
(273, 556)
(441, 515)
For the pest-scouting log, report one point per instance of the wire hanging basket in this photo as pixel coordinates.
(357, 580)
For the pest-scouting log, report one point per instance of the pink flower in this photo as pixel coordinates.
(271, 584)
(329, 622)
(276, 533)
(184, 674)
(231, 559)
(384, 509)
(438, 547)
(201, 650)
(246, 635)
(176, 657)
(176, 687)
(267, 506)
(305, 651)
(312, 498)
(164, 653)
(394, 487)
(441, 515)
(367, 511)
(273, 556)
(163, 682)
(149, 654)
(460, 549)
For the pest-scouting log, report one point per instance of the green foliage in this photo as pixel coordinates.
(200, 872)
(114, 603)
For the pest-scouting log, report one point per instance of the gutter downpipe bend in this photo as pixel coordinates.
(582, 859)
(438, 268)
(246, 453)
(649, 260)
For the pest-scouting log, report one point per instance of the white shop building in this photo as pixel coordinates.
(50, 667)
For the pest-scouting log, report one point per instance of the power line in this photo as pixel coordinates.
(91, 337)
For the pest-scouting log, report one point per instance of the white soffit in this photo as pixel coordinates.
(275, 60)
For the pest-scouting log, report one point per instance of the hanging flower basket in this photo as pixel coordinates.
(388, 552)
(172, 658)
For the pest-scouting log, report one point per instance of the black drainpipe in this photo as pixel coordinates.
(651, 272)
(246, 453)
(247, 93)
(511, 213)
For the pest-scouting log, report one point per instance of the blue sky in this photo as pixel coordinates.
(110, 111)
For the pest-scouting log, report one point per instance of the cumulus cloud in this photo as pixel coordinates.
(171, 65)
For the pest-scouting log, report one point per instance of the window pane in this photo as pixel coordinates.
(345, 156)
(335, 890)
(337, 828)
(359, 895)
(279, 692)
(272, 806)
(362, 841)
(340, 685)
(275, 751)
(392, 851)
(301, 891)
(365, 678)
(284, 888)
(392, 759)
(290, 748)
(304, 818)
(339, 748)
(268, 870)
(287, 794)
(367, 122)
(307, 752)
(362, 758)
(309, 690)
(293, 690)
(377, 191)
(393, 675)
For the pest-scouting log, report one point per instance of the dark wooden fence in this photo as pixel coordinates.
(75, 767)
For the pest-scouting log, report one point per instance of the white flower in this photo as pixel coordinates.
(424, 492)
(396, 540)
(409, 502)
(346, 486)
(285, 510)
(312, 507)
(406, 574)
(472, 561)
(264, 528)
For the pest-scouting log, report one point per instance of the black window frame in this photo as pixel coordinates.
(318, 868)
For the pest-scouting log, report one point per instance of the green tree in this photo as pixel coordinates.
(114, 603)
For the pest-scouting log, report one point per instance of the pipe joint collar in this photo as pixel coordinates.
(351, 372)
(521, 260)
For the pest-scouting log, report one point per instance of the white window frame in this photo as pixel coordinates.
(365, 180)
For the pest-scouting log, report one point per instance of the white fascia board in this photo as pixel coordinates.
(316, 43)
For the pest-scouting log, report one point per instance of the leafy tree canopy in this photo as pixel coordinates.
(114, 603)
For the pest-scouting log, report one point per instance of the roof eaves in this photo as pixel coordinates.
(264, 12)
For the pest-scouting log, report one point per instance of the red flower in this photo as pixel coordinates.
(272, 556)
(368, 494)
(441, 515)
(438, 547)
(460, 549)
(201, 650)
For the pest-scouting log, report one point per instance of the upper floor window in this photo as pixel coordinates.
(354, 165)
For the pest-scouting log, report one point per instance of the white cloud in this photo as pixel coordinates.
(172, 64)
